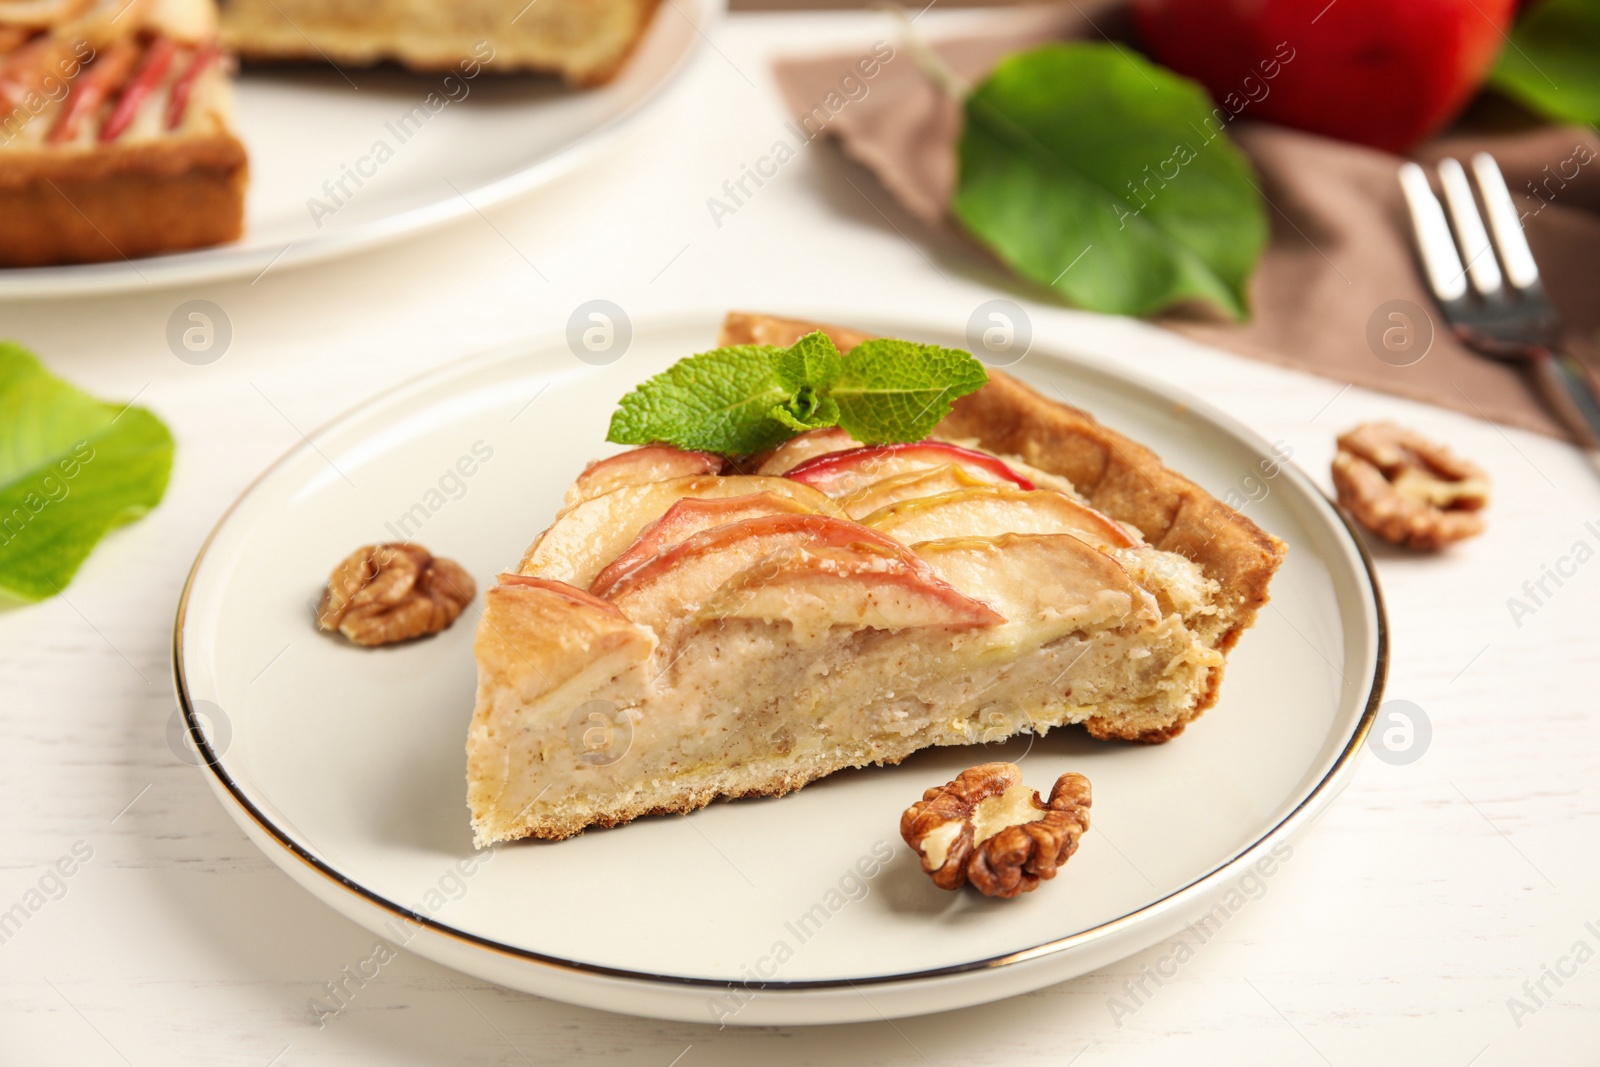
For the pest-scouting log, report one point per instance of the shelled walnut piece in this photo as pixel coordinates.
(1408, 489)
(381, 594)
(986, 828)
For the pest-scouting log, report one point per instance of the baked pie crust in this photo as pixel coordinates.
(677, 635)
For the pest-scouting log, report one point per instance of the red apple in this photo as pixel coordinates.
(1384, 73)
(839, 473)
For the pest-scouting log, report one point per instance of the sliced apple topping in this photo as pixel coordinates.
(841, 473)
(989, 511)
(859, 586)
(913, 484)
(141, 87)
(809, 445)
(97, 84)
(638, 466)
(585, 538)
(1046, 585)
(685, 519)
(722, 565)
(183, 89)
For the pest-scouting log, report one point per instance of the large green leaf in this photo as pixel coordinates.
(1552, 62)
(71, 468)
(1109, 180)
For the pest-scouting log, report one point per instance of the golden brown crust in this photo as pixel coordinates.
(116, 201)
(1116, 474)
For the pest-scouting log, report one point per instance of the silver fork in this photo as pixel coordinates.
(1496, 303)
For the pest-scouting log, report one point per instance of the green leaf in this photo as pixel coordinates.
(1552, 63)
(890, 391)
(813, 360)
(808, 411)
(1109, 180)
(71, 469)
(720, 401)
(808, 367)
(751, 397)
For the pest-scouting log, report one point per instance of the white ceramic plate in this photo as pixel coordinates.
(346, 766)
(494, 137)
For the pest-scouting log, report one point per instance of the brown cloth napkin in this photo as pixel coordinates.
(1341, 250)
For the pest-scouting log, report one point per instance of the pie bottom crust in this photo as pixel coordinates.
(544, 649)
(119, 201)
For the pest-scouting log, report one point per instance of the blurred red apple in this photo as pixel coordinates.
(1384, 73)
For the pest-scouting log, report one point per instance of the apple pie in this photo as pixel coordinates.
(694, 626)
(115, 131)
(585, 41)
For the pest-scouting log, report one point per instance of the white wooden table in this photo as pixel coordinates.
(1399, 932)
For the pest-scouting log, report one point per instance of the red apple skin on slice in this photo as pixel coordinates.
(931, 481)
(585, 538)
(991, 511)
(855, 586)
(1046, 585)
(840, 473)
(653, 463)
(809, 445)
(685, 519)
(673, 586)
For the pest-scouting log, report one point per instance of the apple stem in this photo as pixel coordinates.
(932, 65)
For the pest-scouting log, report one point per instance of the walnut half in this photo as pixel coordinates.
(380, 594)
(986, 828)
(1407, 489)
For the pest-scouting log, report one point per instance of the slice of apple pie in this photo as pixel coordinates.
(115, 131)
(694, 626)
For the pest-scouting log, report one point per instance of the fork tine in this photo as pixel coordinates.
(1509, 240)
(1482, 267)
(1438, 248)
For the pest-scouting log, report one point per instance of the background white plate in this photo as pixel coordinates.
(498, 137)
(346, 765)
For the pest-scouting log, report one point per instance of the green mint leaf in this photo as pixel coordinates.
(813, 360)
(890, 391)
(1108, 179)
(808, 367)
(1553, 61)
(71, 469)
(719, 401)
(751, 397)
(809, 410)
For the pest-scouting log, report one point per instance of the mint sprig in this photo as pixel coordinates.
(748, 398)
